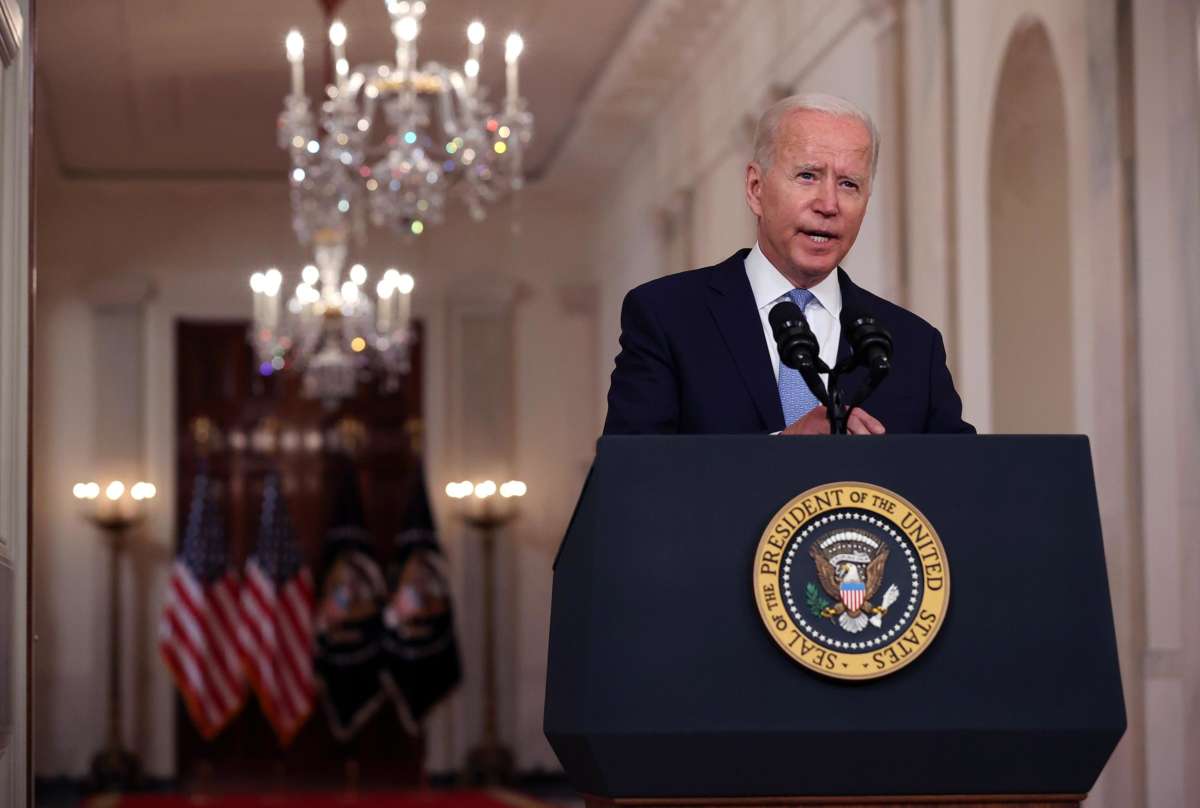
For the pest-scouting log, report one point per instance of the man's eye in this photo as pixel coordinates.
(850, 184)
(806, 175)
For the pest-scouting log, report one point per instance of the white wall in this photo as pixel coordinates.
(1166, 291)
(1085, 52)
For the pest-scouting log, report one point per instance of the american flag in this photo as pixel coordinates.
(276, 631)
(198, 632)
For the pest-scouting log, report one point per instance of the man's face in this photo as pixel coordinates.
(812, 200)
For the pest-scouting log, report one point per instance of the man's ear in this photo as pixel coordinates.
(754, 188)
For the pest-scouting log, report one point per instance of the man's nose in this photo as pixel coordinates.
(826, 201)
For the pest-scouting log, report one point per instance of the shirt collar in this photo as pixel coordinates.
(769, 285)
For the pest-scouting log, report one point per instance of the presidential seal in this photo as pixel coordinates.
(851, 580)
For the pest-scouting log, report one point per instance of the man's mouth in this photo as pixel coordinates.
(819, 236)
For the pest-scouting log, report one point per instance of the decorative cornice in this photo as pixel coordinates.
(475, 292)
(646, 69)
(640, 76)
(122, 291)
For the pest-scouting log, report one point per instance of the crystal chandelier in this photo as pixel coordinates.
(395, 140)
(332, 330)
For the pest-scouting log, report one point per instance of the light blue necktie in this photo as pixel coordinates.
(794, 394)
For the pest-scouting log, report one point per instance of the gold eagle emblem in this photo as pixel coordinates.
(850, 569)
(881, 588)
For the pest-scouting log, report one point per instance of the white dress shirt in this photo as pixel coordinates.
(823, 312)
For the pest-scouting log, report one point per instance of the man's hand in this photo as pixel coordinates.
(816, 422)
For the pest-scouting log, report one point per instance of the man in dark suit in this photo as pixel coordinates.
(697, 355)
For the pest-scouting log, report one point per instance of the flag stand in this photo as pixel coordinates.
(204, 780)
(353, 771)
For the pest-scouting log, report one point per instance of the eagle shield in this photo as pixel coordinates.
(853, 593)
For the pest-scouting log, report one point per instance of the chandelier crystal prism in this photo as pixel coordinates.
(394, 141)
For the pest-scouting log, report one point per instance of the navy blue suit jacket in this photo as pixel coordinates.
(693, 360)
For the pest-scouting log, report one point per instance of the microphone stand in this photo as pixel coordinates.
(798, 349)
(837, 406)
(836, 410)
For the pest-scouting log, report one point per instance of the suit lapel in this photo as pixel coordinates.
(731, 302)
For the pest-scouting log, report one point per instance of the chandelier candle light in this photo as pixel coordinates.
(395, 138)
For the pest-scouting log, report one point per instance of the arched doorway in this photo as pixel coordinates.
(1029, 237)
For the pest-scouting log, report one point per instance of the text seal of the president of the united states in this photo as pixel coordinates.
(851, 580)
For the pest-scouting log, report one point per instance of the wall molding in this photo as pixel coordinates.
(12, 29)
(16, 108)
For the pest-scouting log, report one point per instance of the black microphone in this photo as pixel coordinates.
(798, 347)
(870, 341)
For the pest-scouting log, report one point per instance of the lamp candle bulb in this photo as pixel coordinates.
(295, 54)
(475, 36)
(257, 281)
(404, 285)
(272, 280)
(512, 54)
(337, 39)
(383, 306)
(405, 30)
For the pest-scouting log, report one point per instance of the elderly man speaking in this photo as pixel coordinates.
(697, 352)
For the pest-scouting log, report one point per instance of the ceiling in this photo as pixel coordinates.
(192, 88)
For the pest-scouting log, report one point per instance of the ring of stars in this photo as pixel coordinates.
(798, 615)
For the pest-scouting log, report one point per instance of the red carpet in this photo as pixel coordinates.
(399, 799)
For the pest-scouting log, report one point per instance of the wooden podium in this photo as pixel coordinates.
(664, 687)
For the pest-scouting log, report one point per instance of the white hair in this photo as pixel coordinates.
(766, 132)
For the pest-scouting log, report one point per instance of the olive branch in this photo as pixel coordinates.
(814, 599)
